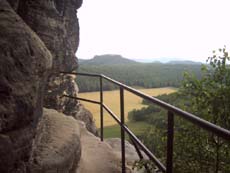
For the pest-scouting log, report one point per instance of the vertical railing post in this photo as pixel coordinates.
(169, 162)
(101, 108)
(122, 131)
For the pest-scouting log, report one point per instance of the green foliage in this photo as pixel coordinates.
(140, 164)
(143, 114)
(210, 96)
(196, 150)
(210, 100)
(114, 131)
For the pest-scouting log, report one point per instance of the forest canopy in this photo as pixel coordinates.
(147, 75)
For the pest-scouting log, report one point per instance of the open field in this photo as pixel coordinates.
(111, 99)
(114, 131)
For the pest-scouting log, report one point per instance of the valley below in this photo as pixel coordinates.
(111, 99)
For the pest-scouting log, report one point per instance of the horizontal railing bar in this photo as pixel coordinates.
(82, 99)
(143, 147)
(82, 74)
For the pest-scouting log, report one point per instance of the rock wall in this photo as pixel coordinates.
(24, 63)
(56, 23)
(38, 39)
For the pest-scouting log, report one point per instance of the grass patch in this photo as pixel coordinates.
(136, 127)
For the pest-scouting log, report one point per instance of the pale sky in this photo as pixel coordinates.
(154, 29)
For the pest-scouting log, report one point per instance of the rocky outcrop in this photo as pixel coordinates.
(56, 23)
(24, 61)
(57, 146)
(130, 153)
(33, 33)
(86, 116)
(105, 157)
(97, 156)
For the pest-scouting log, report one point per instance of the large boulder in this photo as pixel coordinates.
(131, 155)
(57, 146)
(84, 115)
(97, 156)
(24, 63)
(130, 151)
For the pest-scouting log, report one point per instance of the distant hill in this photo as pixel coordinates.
(113, 59)
(81, 61)
(108, 59)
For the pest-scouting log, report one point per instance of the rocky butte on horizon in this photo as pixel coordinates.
(147, 60)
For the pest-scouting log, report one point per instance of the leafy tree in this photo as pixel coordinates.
(196, 150)
(210, 100)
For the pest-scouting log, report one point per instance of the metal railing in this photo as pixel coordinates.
(172, 111)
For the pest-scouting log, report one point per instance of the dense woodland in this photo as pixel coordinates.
(195, 150)
(147, 75)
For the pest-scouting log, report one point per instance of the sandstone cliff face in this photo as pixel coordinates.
(38, 39)
(24, 62)
(56, 23)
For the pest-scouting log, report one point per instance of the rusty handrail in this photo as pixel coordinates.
(172, 111)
